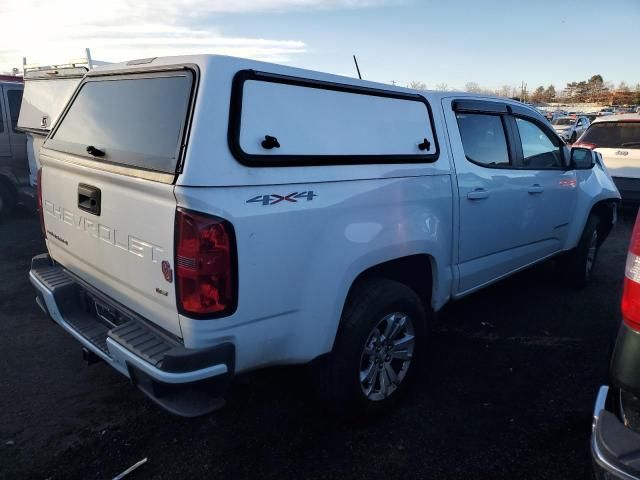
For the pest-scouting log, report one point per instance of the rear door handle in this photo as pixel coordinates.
(536, 189)
(478, 194)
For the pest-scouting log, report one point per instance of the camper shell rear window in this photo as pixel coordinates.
(132, 120)
(279, 120)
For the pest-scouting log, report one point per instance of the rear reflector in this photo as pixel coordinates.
(40, 206)
(206, 269)
(631, 295)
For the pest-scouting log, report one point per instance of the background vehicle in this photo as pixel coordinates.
(617, 139)
(47, 90)
(267, 215)
(615, 442)
(570, 128)
(14, 173)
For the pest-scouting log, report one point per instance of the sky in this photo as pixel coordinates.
(489, 42)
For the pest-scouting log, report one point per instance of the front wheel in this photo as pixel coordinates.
(579, 263)
(376, 349)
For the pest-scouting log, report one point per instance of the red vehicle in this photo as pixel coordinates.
(615, 441)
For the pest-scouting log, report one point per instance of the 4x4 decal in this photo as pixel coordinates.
(274, 198)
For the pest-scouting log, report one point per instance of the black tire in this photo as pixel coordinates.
(579, 263)
(7, 201)
(338, 375)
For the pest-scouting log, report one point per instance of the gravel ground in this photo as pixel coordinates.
(510, 380)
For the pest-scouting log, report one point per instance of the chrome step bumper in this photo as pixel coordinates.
(156, 363)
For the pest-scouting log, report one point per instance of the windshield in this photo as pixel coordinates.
(131, 121)
(613, 135)
(564, 121)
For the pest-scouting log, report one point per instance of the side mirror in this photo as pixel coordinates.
(582, 158)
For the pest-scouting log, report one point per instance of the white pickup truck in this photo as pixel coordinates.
(206, 216)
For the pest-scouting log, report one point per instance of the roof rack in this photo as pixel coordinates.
(77, 66)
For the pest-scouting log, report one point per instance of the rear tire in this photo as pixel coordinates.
(579, 263)
(376, 351)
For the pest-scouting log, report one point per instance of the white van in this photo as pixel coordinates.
(206, 216)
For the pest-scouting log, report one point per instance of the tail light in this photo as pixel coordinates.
(40, 205)
(588, 145)
(631, 295)
(206, 269)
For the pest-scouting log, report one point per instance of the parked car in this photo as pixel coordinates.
(206, 216)
(570, 128)
(617, 138)
(591, 117)
(615, 441)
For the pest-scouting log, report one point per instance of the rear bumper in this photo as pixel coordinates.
(629, 188)
(625, 360)
(184, 381)
(615, 448)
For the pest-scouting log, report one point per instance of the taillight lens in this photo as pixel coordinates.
(631, 295)
(206, 270)
(40, 205)
(588, 145)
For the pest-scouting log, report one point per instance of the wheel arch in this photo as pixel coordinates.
(607, 211)
(417, 271)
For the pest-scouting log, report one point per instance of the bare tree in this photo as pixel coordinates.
(418, 85)
(442, 87)
(472, 87)
(505, 91)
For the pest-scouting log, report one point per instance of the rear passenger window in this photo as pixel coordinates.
(279, 120)
(484, 139)
(538, 150)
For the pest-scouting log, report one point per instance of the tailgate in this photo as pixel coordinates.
(107, 187)
(121, 250)
(621, 162)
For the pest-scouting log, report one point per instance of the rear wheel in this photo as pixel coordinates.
(376, 350)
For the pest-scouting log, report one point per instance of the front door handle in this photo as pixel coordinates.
(478, 194)
(536, 189)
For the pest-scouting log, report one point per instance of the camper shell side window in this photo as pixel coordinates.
(278, 120)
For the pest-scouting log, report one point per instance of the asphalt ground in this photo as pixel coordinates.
(506, 392)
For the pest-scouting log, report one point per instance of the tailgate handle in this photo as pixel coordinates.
(89, 198)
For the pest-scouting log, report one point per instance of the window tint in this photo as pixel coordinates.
(613, 135)
(483, 139)
(135, 121)
(1, 114)
(15, 100)
(538, 149)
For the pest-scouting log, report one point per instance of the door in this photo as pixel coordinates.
(552, 189)
(500, 202)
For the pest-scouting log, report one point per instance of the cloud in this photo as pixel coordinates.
(117, 30)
